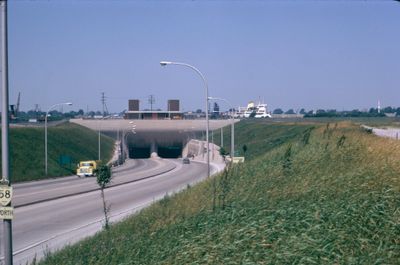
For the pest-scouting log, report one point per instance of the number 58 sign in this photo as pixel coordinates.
(5, 195)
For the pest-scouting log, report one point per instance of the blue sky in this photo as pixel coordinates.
(291, 54)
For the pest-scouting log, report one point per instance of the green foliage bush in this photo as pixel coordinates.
(27, 150)
(103, 176)
(335, 206)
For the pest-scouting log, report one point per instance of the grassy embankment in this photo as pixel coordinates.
(329, 195)
(70, 140)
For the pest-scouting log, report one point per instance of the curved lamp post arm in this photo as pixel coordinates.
(165, 63)
(52, 107)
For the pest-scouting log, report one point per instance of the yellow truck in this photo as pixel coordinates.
(86, 168)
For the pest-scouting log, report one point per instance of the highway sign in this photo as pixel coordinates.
(6, 213)
(5, 194)
(238, 159)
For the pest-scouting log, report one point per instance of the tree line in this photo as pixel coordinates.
(372, 112)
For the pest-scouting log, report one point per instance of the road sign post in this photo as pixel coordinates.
(6, 193)
(5, 150)
(6, 213)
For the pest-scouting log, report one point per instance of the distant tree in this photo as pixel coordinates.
(278, 111)
(80, 112)
(388, 110)
(373, 111)
(355, 113)
(244, 148)
(70, 114)
(199, 111)
(290, 111)
(320, 111)
(303, 111)
(330, 113)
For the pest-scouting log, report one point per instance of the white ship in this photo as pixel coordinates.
(240, 112)
(250, 111)
(253, 111)
(262, 111)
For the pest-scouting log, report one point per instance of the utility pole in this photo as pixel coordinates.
(222, 137)
(103, 103)
(152, 100)
(5, 150)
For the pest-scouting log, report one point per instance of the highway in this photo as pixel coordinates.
(49, 216)
(38, 191)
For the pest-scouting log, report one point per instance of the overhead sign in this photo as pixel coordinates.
(6, 193)
(6, 213)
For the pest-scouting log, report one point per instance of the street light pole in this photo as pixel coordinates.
(99, 142)
(165, 63)
(45, 131)
(222, 136)
(5, 148)
(232, 125)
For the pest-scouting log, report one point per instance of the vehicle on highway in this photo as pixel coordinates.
(186, 160)
(86, 168)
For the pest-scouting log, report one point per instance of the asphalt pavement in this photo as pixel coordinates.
(67, 209)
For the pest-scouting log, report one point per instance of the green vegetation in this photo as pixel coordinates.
(68, 142)
(259, 137)
(103, 177)
(328, 194)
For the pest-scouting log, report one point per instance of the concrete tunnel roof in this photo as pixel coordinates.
(162, 132)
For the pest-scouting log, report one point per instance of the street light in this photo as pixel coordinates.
(165, 63)
(5, 145)
(45, 130)
(232, 125)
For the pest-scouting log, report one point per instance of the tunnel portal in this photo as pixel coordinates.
(162, 151)
(139, 152)
(142, 138)
(165, 145)
(170, 151)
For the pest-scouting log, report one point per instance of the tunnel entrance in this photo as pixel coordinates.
(139, 152)
(169, 151)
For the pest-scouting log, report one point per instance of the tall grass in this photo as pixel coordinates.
(69, 140)
(334, 198)
(259, 136)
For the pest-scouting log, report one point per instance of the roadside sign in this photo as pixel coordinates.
(6, 213)
(6, 193)
(238, 159)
